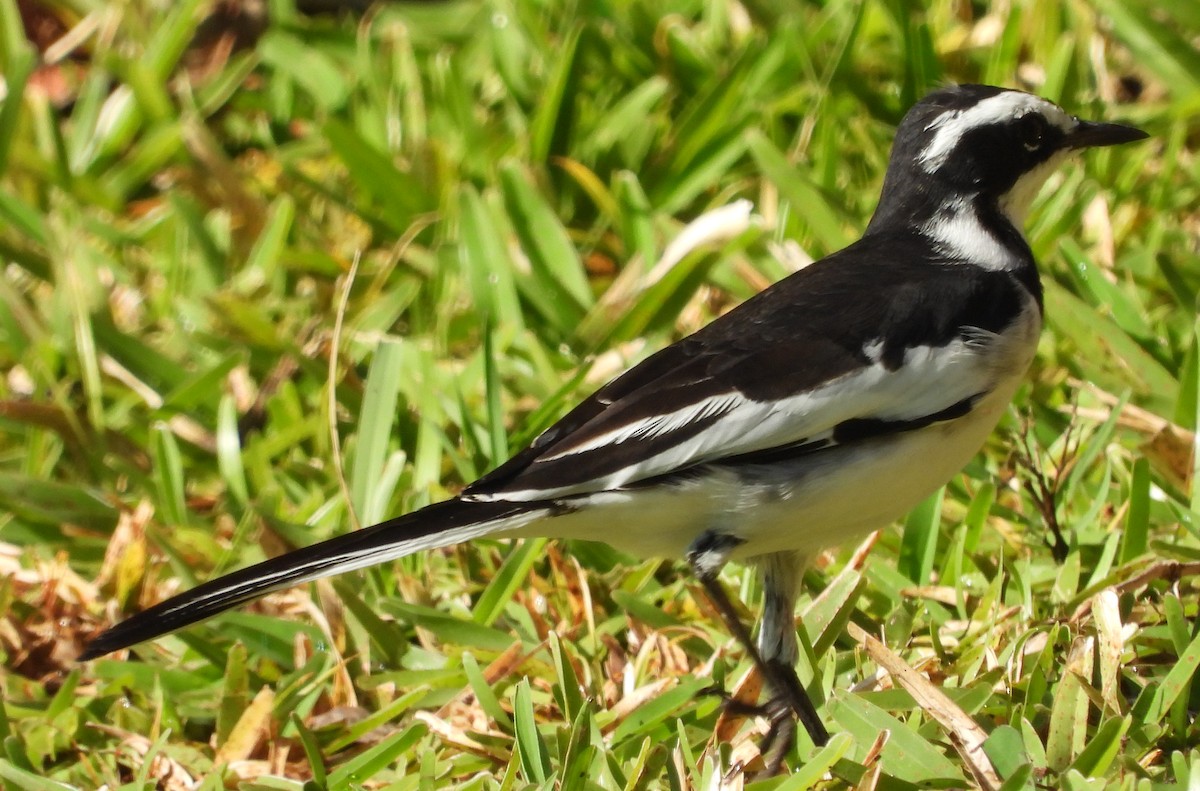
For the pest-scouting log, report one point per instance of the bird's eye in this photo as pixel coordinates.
(1031, 129)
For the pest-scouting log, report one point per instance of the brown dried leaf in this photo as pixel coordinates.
(616, 663)
(1170, 570)
(230, 26)
(250, 730)
(872, 756)
(746, 690)
(338, 715)
(1170, 449)
(1171, 452)
(43, 641)
(171, 776)
(682, 770)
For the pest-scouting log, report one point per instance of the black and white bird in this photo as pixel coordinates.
(823, 408)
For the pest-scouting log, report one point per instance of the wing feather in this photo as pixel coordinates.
(838, 344)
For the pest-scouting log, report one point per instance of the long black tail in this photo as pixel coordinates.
(437, 525)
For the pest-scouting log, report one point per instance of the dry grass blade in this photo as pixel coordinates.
(452, 734)
(1111, 633)
(501, 667)
(964, 732)
(637, 698)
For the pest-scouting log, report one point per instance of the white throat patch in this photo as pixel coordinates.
(958, 231)
(950, 127)
(1016, 202)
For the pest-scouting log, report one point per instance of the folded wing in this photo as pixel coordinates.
(772, 375)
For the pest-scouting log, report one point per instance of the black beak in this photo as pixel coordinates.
(1090, 134)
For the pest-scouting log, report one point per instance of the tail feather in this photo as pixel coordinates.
(437, 525)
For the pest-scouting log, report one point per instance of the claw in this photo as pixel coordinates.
(715, 691)
(774, 746)
(781, 713)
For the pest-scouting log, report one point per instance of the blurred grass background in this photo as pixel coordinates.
(277, 269)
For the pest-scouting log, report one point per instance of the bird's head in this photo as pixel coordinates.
(971, 143)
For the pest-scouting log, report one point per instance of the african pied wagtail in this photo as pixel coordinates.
(821, 409)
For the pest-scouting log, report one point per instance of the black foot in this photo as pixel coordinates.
(780, 735)
(791, 698)
(782, 710)
(781, 730)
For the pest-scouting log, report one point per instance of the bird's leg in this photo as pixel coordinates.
(781, 573)
(789, 699)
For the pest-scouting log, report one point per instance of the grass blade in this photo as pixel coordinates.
(375, 423)
(535, 761)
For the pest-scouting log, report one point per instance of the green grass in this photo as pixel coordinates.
(358, 264)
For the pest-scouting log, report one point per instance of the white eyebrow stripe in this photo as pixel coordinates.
(950, 127)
